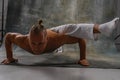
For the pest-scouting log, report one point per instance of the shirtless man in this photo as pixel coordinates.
(41, 40)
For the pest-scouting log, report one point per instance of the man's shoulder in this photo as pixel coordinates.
(51, 33)
(21, 37)
(14, 36)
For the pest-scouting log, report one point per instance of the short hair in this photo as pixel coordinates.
(38, 27)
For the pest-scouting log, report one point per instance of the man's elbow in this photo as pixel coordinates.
(7, 37)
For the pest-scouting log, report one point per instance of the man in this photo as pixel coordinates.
(41, 40)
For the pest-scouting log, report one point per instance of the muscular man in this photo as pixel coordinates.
(41, 40)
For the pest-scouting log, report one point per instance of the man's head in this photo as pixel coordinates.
(38, 38)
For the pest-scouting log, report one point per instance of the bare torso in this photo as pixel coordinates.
(55, 40)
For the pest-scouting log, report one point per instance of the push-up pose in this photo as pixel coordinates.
(41, 40)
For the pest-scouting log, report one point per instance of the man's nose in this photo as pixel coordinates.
(36, 46)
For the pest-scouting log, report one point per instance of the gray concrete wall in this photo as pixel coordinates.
(22, 14)
(117, 40)
(5, 11)
(4, 16)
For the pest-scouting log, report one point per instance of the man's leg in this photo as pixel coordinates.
(82, 46)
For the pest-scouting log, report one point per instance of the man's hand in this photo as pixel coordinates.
(83, 62)
(8, 61)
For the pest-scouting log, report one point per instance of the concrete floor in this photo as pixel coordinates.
(26, 70)
(57, 67)
(8, 72)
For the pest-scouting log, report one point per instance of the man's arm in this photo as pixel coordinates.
(82, 45)
(9, 40)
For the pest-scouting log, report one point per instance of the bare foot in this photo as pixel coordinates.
(8, 61)
(83, 62)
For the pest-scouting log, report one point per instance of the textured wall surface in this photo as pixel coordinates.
(117, 41)
(22, 14)
(3, 12)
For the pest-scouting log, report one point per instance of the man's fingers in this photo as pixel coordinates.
(83, 62)
(7, 61)
(3, 61)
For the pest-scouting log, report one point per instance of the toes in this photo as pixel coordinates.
(116, 19)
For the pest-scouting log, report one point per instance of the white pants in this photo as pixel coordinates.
(84, 31)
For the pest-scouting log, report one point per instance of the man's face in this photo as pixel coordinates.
(38, 42)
